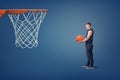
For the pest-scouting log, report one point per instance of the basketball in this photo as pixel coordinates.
(79, 38)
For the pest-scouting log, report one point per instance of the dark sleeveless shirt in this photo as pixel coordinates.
(90, 41)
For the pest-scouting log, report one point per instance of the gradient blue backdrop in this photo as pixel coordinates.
(58, 56)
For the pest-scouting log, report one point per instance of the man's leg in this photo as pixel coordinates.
(90, 55)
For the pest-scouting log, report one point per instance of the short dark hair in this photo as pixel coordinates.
(89, 23)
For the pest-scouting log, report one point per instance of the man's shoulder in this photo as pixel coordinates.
(91, 30)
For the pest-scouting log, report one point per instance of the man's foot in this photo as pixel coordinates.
(85, 66)
(90, 67)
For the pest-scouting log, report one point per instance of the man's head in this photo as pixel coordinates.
(88, 25)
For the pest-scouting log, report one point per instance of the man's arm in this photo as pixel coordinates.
(88, 36)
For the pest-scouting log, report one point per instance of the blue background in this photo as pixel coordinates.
(58, 56)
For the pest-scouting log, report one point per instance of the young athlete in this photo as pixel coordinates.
(89, 46)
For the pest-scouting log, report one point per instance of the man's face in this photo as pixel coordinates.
(87, 26)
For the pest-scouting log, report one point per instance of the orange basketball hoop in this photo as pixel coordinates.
(21, 11)
(26, 23)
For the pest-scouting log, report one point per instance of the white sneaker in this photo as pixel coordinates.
(89, 67)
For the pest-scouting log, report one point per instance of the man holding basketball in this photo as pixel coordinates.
(89, 46)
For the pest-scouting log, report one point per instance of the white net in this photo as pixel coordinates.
(26, 28)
